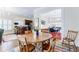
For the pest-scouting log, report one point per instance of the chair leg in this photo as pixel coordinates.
(75, 49)
(69, 48)
(54, 45)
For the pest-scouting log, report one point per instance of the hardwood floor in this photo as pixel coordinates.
(10, 44)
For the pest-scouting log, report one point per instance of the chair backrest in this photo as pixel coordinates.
(21, 46)
(20, 43)
(46, 44)
(72, 35)
(26, 44)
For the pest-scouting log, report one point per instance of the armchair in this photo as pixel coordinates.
(1, 33)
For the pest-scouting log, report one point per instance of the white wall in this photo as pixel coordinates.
(71, 20)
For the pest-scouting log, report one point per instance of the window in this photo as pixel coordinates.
(52, 18)
(0, 23)
(6, 24)
(9, 25)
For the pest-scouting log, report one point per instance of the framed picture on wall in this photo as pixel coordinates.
(42, 22)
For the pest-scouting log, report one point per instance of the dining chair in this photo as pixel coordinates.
(46, 47)
(25, 46)
(29, 46)
(22, 47)
(56, 36)
(68, 43)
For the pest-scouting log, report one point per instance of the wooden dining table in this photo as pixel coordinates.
(37, 40)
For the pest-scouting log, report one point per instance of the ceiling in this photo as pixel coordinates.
(27, 12)
(23, 11)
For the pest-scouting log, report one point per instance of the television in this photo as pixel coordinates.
(16, 23)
